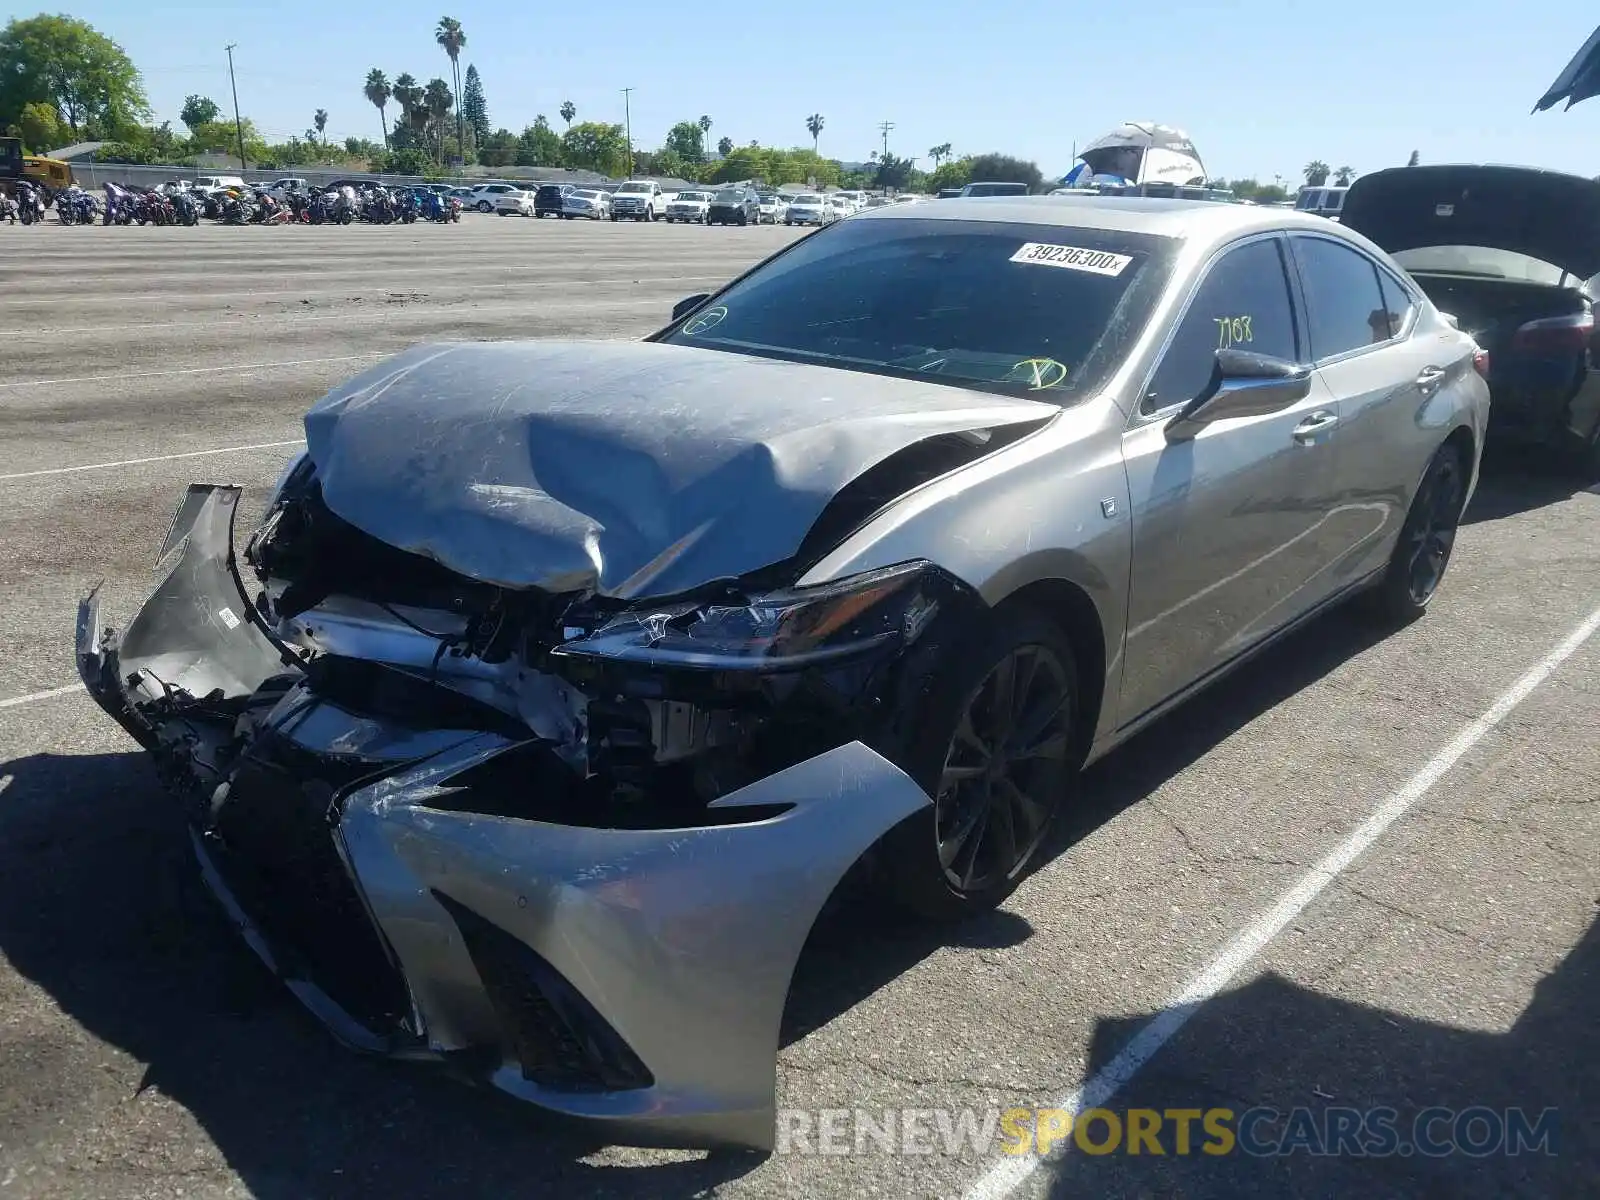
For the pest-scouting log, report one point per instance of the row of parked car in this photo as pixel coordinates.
(649, 200)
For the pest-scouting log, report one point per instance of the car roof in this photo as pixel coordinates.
(1164, 217)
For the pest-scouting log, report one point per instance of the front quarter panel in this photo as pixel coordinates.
(1052, 507)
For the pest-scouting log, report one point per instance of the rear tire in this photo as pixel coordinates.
(1422, 553)
(993, 741)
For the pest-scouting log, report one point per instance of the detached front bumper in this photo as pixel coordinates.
(635, 978)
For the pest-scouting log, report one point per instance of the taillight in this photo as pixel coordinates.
(1556, 335)
(1480, 362)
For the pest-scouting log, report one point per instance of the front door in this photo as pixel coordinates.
(1231, 534)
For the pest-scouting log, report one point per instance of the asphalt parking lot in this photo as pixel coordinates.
(1364, 872)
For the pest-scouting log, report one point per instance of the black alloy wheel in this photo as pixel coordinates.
(993, 740)
(1422, 552)
(1004, 770)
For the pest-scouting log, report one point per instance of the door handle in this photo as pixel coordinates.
(1320, 422)
(1429, 379)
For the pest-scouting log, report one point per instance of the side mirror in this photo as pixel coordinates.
(1243, 384)
(688, 304)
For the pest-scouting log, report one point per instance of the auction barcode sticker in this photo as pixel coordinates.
(1073, 258)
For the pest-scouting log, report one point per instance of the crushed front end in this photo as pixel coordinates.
(571, 844)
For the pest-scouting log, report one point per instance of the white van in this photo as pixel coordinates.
(1325, 201)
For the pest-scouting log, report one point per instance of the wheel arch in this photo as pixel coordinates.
(1072, 608)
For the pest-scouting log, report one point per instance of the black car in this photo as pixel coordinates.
(734, 206)
(1513, 254)
(547, 200)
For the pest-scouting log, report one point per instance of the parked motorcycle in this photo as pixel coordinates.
(30, 203)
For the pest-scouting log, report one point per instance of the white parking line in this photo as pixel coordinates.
(378, 310)
(1008, 1176)
(271, 366)
(549, 284)
(32, 697)
(139, 462)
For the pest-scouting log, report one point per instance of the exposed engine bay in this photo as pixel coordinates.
(656, 709)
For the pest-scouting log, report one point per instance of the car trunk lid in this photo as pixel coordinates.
(1547, 215)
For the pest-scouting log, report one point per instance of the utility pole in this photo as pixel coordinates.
(884, 129)
(238, 126)
(627, 116)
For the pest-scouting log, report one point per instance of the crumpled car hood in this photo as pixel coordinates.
(623, 468)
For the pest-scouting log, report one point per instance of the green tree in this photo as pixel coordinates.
(1343, 176)
(378, 93)
(199, 110)
(320, 120)
(594, 146)
(1316, 172)
(78, 71)
(725, 147)
(475, 108)
(437, 101)
(41, 129)
(498, 149)
(449, 34)
(686, 141)
(954, 173)
(568, 110)
(939, 153)
(539, 145)
(893, 173)
(1003, 168)
(705, 134)
(402, 162)
(814, 124)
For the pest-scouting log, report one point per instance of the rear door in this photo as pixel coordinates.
(1231, 530)
(1360, 318)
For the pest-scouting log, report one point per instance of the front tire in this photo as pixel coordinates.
(1422, 552)
(485, 207)
(993, 740)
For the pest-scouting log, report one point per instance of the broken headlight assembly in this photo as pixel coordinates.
(788, 629)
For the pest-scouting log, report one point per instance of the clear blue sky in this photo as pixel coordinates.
(1261, 87)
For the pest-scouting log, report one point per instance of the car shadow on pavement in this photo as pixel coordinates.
(1273, 1044)
(1180, 739)
(1516, 479)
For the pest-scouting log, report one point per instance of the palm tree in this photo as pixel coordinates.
(814, 125)
(705, 134)
(939, 153)
(321, 122)
(378, 92)
(1343, 176)
(436, 103)
(568, 110)
(725, 147)
(1316, 172)
(453, 38)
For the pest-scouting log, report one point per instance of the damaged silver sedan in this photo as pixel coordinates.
(563, 682)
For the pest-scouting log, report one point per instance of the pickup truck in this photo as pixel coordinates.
(640, 200)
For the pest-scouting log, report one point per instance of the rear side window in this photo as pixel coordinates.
(1243, 304)
(1345, 309)
(1397, 303)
